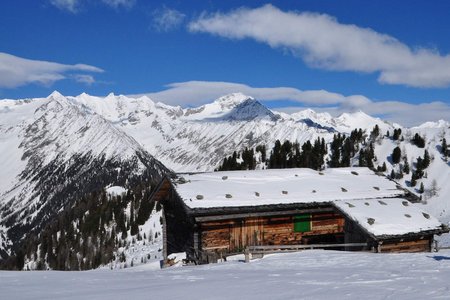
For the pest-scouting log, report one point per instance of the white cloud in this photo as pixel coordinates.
(71, 6)
(200, 92)
(166, 19)
(322, 42)
(120, 3)
(84, 78)
(194, 93)
(74, 6)
(16, 71)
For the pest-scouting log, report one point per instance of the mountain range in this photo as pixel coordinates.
(56, 149)
(196, 139)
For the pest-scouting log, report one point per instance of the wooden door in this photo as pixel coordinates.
(243, 233)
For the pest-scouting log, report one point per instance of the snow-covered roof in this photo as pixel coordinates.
(282, 186)
(389, 217)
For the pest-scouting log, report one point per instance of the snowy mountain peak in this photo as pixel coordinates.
(437, 124)
(308, 111)
(248, 110)
(55, 95)
(54, 102)
(360, 119)
(217, 109)
(311, 114)
(232, 99)
(83, 95)
(313, 119)
(357, 114)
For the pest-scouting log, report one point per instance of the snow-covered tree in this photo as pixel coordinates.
(434, 188)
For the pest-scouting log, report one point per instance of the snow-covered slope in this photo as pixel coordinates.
(435, 198)
(53, 151)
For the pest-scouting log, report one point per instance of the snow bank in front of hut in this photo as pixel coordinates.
(311, 274)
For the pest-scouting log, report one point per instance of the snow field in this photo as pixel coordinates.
(311, 274)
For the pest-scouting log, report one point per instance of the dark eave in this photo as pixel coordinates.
(271, 213)
(270, 209)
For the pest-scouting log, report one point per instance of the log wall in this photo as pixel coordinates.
(419, 245)
(234, 235)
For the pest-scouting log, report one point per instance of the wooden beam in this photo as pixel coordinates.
(263, 214)
(215, 248)
(297, 247)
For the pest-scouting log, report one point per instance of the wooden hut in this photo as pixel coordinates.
(214, 215)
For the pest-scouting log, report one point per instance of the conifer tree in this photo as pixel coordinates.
(392, 174)
(370, 155)
(134, 228)
(362, 162)
(275, 160)
(426, 159)
(336, 145)
(406, 167)
(305, 155)
(397, 133)
(418, 141)
(444, 148)
(375, 133)
(396, 155)
(318, 155)
(419, 164)
(422, 188)
(413, 179)
(323, 147)
(347, 152)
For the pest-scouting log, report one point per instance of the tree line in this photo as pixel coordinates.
(88, 234)
(354, 149)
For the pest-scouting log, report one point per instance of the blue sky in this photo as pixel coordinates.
(387, 59)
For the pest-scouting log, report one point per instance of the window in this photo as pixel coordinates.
(302, 223)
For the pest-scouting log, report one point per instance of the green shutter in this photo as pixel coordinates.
(302, 223)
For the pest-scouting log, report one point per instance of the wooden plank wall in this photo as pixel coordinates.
(419, 245)
(235, 235)
(216, 235)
